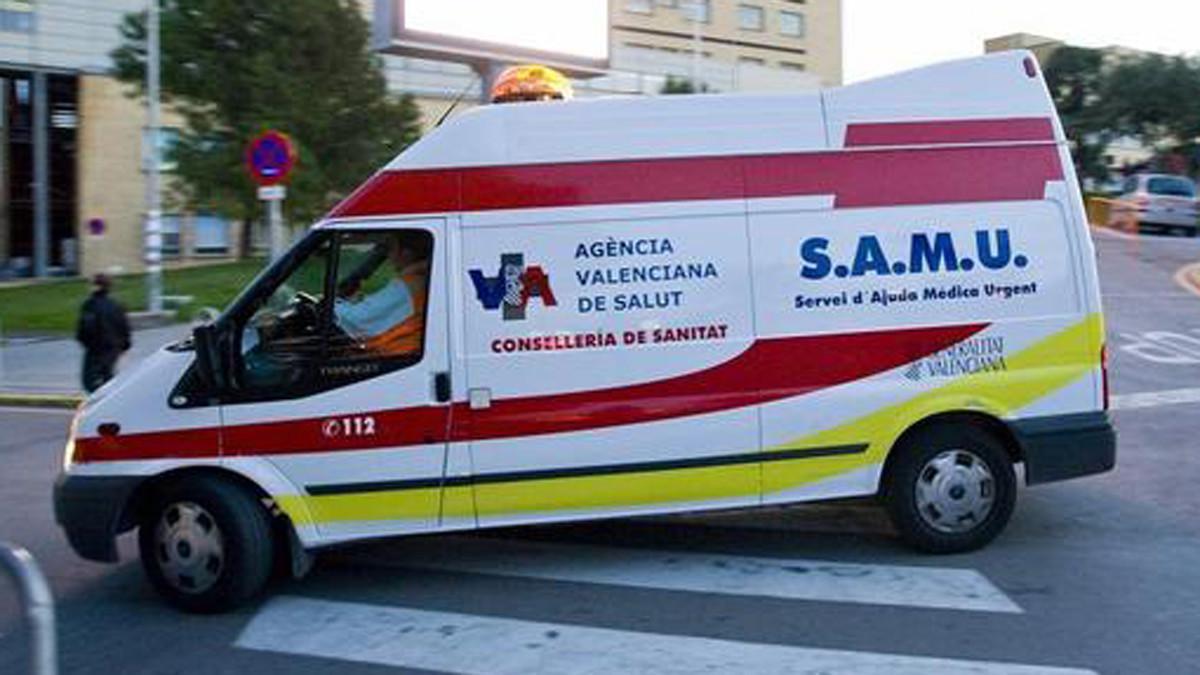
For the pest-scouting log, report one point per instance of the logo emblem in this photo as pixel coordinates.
(331, 428)
(512, 287)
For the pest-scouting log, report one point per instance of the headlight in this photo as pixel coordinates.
(69, 450)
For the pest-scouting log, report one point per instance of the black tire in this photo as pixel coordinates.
(941, 461)
(226, 569)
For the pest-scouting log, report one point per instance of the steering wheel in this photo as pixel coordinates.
(306, 309)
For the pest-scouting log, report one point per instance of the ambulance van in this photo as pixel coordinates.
(603, 308)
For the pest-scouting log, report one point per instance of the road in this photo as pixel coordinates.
(1097, 575)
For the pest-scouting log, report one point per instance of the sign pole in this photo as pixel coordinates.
(154, 283)
(274, 197)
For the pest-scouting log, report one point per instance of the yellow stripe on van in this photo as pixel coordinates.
(548, 495)
(1032, 373)
(1038, 370)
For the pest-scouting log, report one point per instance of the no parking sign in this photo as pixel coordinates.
(271, 158)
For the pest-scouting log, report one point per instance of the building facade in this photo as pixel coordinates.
(72, 138)
(72, 172)
(743, 44)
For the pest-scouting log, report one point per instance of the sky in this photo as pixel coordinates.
(885, 36)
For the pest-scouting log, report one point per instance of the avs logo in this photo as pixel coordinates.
(512, 287)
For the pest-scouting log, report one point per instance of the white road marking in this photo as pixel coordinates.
(1188, 277)
(1161, 346)
(479, 645)
(1154, 399)
(793, 579)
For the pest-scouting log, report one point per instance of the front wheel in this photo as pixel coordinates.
(206, 544)
(950, 489)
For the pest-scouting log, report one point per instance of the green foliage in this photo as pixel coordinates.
(682, 85)
(1154, 97)
(52, 307)
(1150, 97)
(1075, 77)
(234, 69)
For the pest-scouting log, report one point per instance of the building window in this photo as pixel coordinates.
(791, 24)
(751, 60)
(16, 16)
(791, 65)
(668, 3)
(750, 17)
(639, 6)
(698, 10)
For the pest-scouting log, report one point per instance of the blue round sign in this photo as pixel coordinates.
(271, 158)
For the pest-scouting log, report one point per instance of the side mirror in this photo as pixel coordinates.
(210, 363)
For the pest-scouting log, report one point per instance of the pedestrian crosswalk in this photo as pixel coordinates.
(479, 645)
(494, 644)
(791, 579)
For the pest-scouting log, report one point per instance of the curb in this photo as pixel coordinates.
(1188, 276)
(17, 400)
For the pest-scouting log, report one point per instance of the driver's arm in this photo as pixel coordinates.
(375, 313)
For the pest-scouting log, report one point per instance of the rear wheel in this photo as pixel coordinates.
(206, 544)
(950, 488)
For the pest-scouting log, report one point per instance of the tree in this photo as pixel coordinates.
(1154, 98)
(1075, 77)
(234, 69)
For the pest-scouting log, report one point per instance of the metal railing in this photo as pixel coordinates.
(38, 603)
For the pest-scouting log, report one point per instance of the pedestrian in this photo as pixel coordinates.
(103, 330)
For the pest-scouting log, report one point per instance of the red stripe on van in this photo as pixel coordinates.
(1017, 129)
(856, 179)
(910, 177)
(770, 370)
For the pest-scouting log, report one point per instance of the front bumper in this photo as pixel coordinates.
(90, 509)
(1066, 446)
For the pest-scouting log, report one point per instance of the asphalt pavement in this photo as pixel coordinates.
(1096, 575)
(52, 365)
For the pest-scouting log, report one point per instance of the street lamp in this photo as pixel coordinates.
(153, 225)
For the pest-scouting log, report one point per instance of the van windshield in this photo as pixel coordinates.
(1171, 186)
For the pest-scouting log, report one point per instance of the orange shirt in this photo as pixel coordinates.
(407, 337)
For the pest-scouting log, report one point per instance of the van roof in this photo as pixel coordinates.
(1003, 86)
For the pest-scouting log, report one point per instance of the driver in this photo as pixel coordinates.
(391, 320)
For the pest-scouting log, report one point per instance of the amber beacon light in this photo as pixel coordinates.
(531, 83)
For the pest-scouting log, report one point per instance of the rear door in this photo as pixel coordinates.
(339, 360)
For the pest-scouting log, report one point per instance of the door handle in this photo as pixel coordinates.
(441, 387)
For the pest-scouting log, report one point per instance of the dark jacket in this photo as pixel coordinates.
(103, 327)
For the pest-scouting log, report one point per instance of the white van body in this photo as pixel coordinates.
(657, 305)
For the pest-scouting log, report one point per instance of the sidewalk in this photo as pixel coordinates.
(52, 367)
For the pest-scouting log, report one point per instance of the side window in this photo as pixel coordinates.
(285, 331)
(379, 311)
(1131, 185)
(353, 308)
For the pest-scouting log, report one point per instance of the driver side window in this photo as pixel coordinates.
(286, 331)
(352, 308)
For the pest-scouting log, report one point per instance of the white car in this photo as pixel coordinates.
(1162, 201)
